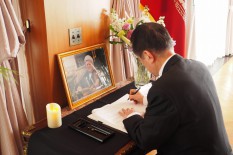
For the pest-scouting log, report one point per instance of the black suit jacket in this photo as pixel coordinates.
(183, 116)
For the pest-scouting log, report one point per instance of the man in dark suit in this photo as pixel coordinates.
(183, 115)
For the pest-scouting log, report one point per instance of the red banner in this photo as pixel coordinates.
(174, 13)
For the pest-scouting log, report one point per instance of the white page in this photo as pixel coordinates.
(109, 115)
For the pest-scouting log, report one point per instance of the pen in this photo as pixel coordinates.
(99, 130)
(135, 91)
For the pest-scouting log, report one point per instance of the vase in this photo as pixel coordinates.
(141, 75)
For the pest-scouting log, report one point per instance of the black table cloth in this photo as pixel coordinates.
(65, 141)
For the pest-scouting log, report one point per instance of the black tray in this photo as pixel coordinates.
(92, 129)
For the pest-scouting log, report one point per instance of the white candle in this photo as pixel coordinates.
(53, 115)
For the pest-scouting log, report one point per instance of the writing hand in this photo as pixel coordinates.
(136, 96)
(134, 91)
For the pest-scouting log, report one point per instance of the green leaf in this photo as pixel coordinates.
(111, 36)
(131, 27)
(5, 73)
(112, 29)
(115, 42)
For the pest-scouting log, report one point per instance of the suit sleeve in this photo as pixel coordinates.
(157, 126)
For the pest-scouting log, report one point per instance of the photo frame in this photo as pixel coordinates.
(86, 74)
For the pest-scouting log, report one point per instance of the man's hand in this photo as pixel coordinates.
(125, 112)
(137, 98)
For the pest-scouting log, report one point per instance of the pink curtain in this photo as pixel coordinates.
(12, 114)
(119, 57)
(13, 118)
(22, 67)
(11, 35)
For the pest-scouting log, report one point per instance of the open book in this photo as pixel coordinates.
(109, 115)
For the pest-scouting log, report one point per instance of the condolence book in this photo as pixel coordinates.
(109, 114)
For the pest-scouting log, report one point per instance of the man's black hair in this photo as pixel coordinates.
(152, 37)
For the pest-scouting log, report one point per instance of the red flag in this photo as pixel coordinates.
(174, 13)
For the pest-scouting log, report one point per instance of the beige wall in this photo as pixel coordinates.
(50, 21)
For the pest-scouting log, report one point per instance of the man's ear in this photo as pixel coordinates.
(149, 56)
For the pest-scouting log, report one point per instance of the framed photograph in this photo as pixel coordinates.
(86, 74)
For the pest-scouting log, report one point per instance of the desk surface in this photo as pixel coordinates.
(27, 132)
(63, 140)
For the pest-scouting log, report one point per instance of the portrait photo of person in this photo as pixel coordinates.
(86, 73)
(92, 80)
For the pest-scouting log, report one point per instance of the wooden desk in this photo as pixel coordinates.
(27, 132)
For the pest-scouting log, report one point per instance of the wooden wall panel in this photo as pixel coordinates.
(67, 14)
(50, 21)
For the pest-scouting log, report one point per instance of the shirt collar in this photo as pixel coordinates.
(162, 67)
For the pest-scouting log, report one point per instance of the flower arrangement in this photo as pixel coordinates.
(122, 28)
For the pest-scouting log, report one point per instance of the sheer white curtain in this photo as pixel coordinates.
(190, 29)
(210, 30)
(229, 38)
(119, 57)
